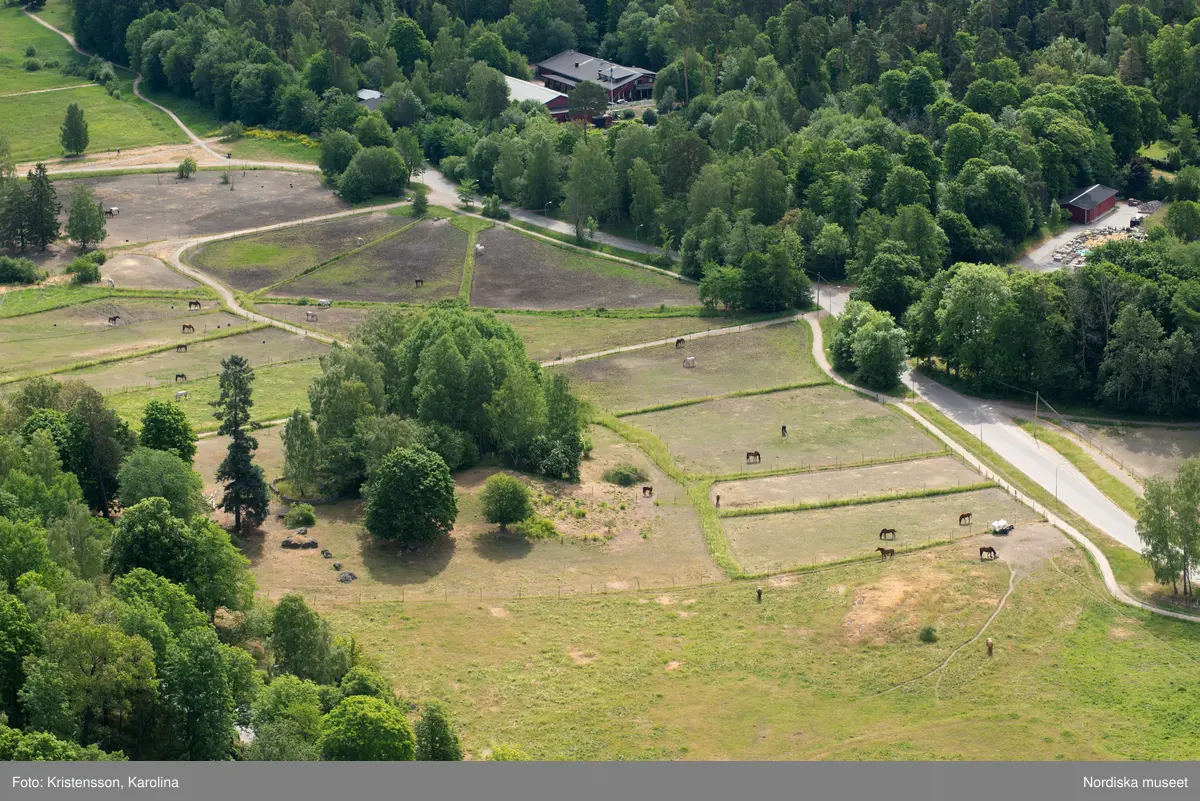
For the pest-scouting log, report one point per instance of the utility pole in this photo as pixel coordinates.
(1037, 396)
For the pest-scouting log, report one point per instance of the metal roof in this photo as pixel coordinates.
(1090, 198)
(578, 66)
(524, 90)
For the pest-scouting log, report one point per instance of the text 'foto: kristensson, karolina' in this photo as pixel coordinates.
(1117, 782)
(82, 783)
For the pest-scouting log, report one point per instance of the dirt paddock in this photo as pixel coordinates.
(156, 207)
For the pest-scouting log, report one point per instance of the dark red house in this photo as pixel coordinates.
(1089, 205)
(568, 68)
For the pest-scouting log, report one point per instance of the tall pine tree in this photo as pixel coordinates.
(74, 132)
(14, 215)
(42, 224)
(245, 489)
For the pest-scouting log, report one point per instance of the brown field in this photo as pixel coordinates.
(792, 539)
(826, 485)
(262, 348)
(549, 337)
(1151, 451)
(758, 359)
(79, 333)
(827, 425)
(338, 321)
(518, 272)
(260, 260)
(157, 207)
(431, 250)
(135, 271)
(650, 543)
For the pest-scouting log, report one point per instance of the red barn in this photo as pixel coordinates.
(1089, 205)
(570, 67)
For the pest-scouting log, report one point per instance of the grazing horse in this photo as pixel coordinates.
(420, 281)
(965, 517)
(989, 551)
(193, 304)
(883, 533)
(181, 395)
(116, 318)
(323, 303)
(886, 553)
(679, 343)
(989, 645)
(310, 317)
(188, 328)
(181, 377)
(783, 431)
(647, 492)
(718, 501)
(181, 348)
(690, 361)
(753, 456)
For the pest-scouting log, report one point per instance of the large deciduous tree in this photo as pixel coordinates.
(364, 729)
(73, 135)
(165, 427)
(85, 217)
(411, 498)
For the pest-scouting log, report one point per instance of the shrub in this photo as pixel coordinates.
(420, 204)
(31, 65)
(187, 168)
(625, 475)
(84, 271)
(928, 634)
(300, 515)
(536, 527)
(98, 256)
(226, 177)
(19, 271)
(650, 117)
(493, 209)
(30, 51)
(231, 131)
(505, 500)
(628, 114)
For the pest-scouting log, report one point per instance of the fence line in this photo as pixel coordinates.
(1070, 426)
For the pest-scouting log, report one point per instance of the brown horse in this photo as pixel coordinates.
(647, 492)
(193, 304)
(188, 328)
(420, 281)
(181, 377)
(116, 318)
(989, 551)
(679, 343)
(884, 533)
(886, 553)
(753, 456)
(965, 517)
(181, 348)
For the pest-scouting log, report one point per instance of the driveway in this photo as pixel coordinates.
(1041, 258)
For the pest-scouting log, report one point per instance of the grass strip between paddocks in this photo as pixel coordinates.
(741, 393)
(862, 500)
(136, 354)
(468, 275)
(1117, 491)
(14, 304)
(820, 468)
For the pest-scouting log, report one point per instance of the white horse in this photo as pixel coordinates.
(181, 395)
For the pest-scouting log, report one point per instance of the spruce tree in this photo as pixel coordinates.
(245, 489)
(85, 217)
(43, 208)
(14, 215)
(74, 132)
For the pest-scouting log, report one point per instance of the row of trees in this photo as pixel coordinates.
(29, 209)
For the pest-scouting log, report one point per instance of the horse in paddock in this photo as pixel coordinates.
(180, 377)
(753, 456)
(783, 431)
(116, 318)
(420, 281)
(989, 551)
(647, 492)
(193, 304)
(885, 533)
(181, 348)
(964, 519)
(679, 343)
(310, 317)
(886, 553)
(188, 328)
(181, 395)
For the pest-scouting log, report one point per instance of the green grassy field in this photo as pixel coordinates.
(794, 539)
(270, 150)
(58, 14)
(57, 296)
(52, 340)
(260, 260)
(549, 337)
(706, 673)
(194, 113)
(18, 32)
(774, 356)
(277, 391)
(827, 425)
(32, 122)
(263, 347)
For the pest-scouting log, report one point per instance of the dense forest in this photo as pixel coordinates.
(138, 636)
